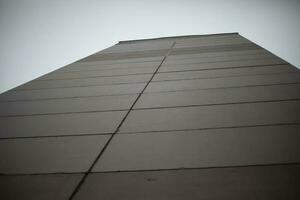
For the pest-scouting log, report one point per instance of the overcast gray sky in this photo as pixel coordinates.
(39, 36)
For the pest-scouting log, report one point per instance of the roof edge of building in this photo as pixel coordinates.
(173, 37)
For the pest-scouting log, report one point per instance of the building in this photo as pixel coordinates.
(190, 117)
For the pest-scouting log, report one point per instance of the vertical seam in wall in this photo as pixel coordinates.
(118, 127)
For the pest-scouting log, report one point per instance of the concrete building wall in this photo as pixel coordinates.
(195, 117)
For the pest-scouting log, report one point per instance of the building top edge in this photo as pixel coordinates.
(175, 37)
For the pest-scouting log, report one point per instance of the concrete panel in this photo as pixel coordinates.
(217, 54)
(88, 104)
(224, 82)
(226, 58)
(202, 117)
(72, 92)
(263, 182)
(85, 82)
(50, 155)
(215, 48)
(129, 60)
(60, 124)
(201, 149)
(216, 73)
(98, 73)
(140, 46)
(210, 41)
(126, 55)
(46, 187)
(219, 96)
(220, 65)
(72, 68)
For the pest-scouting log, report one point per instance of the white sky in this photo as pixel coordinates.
(39, 36)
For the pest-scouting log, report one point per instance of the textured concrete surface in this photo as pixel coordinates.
(219, 73)
(203, 117)
(54, 106)
(223, 82)
(60, 124)
(202, 148)
(264, 182)
(74, 92)
(192, 117)
(37, 187)
(219, 96)
(50, 155)
(216, 65)
(99, 73)
(85, 82)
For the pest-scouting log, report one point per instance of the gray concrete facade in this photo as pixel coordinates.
(190, 117)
